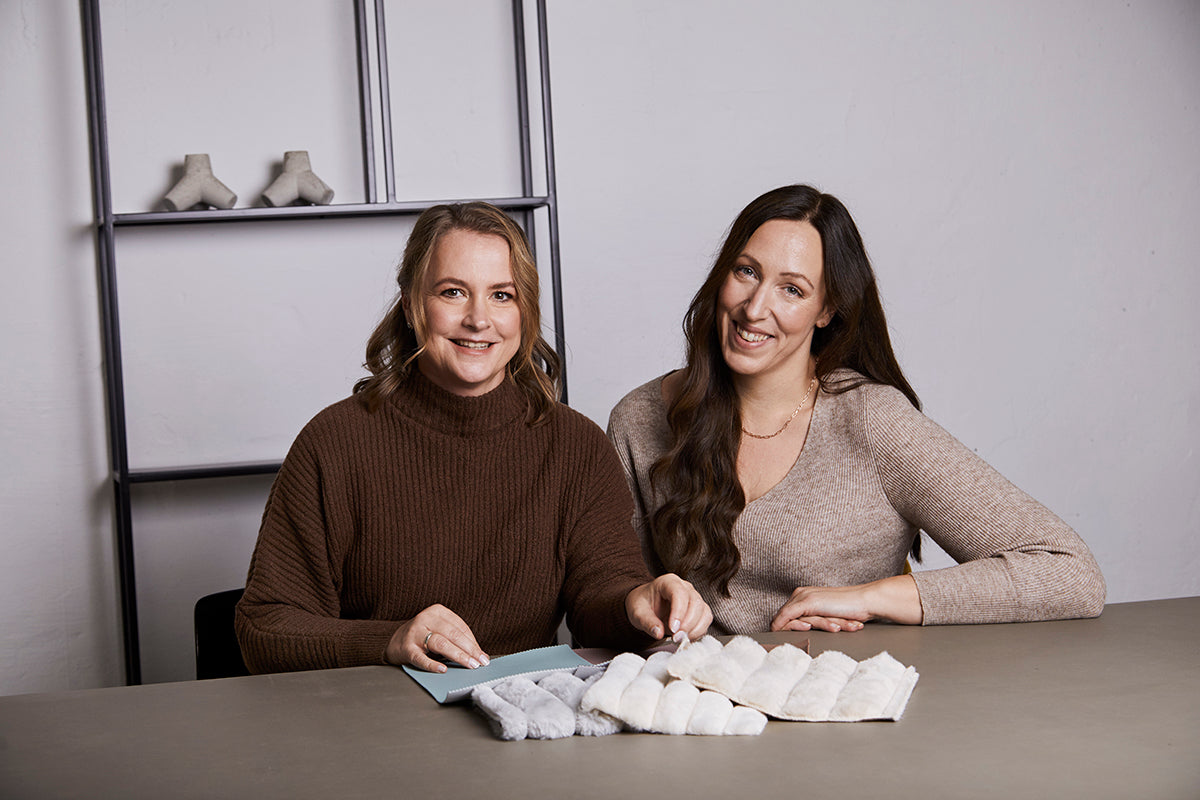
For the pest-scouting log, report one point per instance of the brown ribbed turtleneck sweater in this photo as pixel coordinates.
(436, 498)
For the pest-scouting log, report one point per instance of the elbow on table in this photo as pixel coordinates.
(1084, 592)
(1093, 601)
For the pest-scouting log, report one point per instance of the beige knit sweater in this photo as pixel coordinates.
(873, 471)
(435, 498)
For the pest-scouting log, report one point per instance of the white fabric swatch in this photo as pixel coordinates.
(787, 684)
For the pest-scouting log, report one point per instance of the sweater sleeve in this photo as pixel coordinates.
(603, 559)
(638, 430)
(1018, 562)
(289, 616)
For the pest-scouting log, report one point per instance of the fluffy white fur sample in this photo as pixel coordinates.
(645, 698)
(605, 694)
(727, 670)
(704, 688)
(787, 684)
(768, 687)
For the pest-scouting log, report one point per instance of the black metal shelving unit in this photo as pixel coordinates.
(124, 476)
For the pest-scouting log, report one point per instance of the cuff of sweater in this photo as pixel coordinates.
(608, 626)
(364, 642)
(969, 593)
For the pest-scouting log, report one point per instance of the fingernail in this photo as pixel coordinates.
(674, 625)
(440, 667)
(656, 632)
(835, 627)
(484, 659)
(472, 663)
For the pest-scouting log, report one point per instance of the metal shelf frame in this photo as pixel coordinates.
(107, 222)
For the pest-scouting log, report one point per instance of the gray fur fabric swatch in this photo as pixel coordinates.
(518, 708)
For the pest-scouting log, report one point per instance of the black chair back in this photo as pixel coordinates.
(217, 651)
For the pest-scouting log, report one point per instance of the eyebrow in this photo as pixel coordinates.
(460, 282)
(796, 275)
(792, 275)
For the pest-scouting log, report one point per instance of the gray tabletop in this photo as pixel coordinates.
(1085, 708)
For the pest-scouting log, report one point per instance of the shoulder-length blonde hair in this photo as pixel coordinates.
(395, 345)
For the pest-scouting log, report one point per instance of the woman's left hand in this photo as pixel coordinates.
(668, 603)
(846, 608)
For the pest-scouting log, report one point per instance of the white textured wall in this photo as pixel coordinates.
(1024, 174)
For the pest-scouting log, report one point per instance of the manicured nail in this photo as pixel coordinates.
(472, 663)
(656, 632)
(484, 659)
(674, 625)
(439, 667)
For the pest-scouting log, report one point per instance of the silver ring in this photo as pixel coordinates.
(425, 644)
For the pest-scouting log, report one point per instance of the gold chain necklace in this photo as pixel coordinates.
(803, 400)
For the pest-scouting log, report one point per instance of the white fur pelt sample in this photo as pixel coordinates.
(786, 683)
(641, 693)
(518, 708)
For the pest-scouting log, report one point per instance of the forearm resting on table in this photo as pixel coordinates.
(835, 608)
(895, 599)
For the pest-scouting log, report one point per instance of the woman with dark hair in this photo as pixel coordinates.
(787, 470)
(452, 507)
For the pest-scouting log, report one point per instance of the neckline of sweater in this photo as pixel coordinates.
(424, 402)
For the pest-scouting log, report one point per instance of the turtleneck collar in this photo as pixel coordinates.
(428, 404)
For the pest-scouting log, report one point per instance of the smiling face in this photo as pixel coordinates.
(471, 318)
(772, 300)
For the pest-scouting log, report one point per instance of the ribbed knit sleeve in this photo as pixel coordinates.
(603, 559)
(1019, 562)
(290, 615)
(637, 428)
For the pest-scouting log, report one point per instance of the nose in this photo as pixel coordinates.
(476, 314)
(758, 305)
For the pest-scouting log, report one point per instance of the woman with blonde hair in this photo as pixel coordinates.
(451, 508)
(787, 469)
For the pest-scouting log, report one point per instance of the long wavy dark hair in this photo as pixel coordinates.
(693, 529)
(395, 345)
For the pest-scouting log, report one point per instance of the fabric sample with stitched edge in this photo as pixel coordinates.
(787, 683)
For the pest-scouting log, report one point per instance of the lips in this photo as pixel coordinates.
(747, 335)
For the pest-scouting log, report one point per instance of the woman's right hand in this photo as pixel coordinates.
(846, 608)
(435, 631)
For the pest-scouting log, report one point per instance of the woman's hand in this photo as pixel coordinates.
(436, 630)
(668, 603)
(846, 608)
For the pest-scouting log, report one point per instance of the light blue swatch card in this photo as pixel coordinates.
(457, 682)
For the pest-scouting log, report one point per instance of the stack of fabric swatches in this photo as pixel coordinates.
(704, 688)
